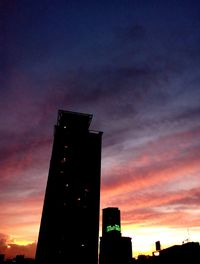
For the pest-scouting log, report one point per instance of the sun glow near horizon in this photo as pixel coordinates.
(144, 238)
(23, 242)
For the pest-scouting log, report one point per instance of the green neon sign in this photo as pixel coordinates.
(112, 228)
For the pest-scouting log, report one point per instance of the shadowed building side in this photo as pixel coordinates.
(70, 217)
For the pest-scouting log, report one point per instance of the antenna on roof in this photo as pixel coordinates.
(188, 237)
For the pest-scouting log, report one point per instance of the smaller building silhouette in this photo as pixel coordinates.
(2, 258)
(185, 253)
(114, 248)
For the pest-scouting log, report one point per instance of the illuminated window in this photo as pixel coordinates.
(64, 160)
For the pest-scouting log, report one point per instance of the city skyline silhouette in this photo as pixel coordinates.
(135, 66)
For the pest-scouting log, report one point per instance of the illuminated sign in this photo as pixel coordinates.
(112, 228)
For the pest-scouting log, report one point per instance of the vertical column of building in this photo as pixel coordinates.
(70, 217)
(114, 249)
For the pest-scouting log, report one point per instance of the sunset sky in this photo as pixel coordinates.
(134, 65)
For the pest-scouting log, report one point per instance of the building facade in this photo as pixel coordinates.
(69, 227)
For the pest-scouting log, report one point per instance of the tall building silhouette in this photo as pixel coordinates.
(69, 227)
(114, 248)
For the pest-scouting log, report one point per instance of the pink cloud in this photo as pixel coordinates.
(158, 161)
(159, 185)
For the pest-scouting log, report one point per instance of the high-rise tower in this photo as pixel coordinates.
(69, 227)
(111, 222)
(114, 248)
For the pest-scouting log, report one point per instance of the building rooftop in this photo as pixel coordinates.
(74, 120)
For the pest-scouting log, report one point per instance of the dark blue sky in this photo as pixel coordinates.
(134, 65)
